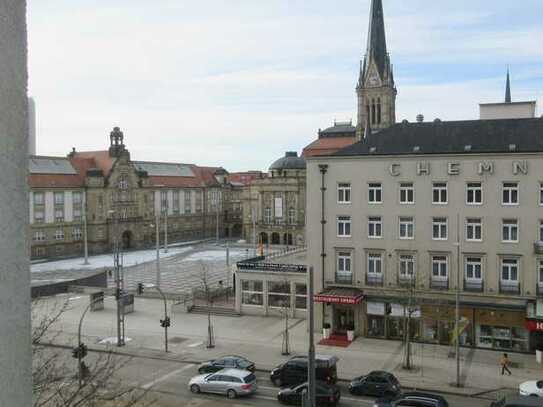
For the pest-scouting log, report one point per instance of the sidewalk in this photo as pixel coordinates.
(260, 339)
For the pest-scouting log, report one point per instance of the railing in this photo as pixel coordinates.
(538, 247)
(344, 278)
(374, 279)
(406, 281)
(509, 287)
(475, 286)
(439, 284)
(274, 267)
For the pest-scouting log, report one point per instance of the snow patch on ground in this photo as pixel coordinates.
(215, 255)
(106, 260)
(112, 340)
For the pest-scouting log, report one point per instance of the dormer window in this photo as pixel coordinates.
(416, 149)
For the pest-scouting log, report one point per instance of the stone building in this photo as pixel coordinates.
(275, 205)
(123, 199)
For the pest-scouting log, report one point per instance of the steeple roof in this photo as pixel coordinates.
(508, 88)
(377, 46)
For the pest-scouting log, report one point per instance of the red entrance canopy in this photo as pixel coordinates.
(349, 296)
(534, 325)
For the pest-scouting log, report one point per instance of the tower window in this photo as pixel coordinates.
(373, 111)
(379, 110)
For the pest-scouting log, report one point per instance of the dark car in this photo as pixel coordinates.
(294, 371)
(226, 362)
(327, 395)
(376, 383)
(518, 401)
(413, 399)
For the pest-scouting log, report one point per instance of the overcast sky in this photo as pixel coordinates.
(239, 82)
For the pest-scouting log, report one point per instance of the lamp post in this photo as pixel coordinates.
(85, 242)
(166, 228)
(119, 284)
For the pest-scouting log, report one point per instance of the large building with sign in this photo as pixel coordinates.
(413, 213)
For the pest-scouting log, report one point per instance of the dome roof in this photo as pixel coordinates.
(290, 161)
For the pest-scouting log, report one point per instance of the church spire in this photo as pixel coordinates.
(377, 45)
(508, 88)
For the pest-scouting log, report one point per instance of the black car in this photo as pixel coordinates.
(235, 362)
(327, 395)
(413, 399)
(377, 383)
(294, 371)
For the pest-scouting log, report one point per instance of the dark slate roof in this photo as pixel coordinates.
(377, 46)
(455, 137)
(290, 161)
(338, 130)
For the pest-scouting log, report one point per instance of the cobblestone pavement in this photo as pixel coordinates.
(183, 272)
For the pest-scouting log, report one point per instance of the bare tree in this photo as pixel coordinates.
(55, 378)
(410, 307)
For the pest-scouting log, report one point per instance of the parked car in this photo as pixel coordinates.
(225, 362)
(518, 401)
(531, 388)
(231, 382)
(294, 371)
(327, 395)
(377, 383)
(413, 399)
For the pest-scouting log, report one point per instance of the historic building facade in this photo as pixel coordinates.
(274, 205)
(115, 198)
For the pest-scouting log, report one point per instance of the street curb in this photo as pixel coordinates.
(478, 394)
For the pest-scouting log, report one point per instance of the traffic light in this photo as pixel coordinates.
(165, 323)
(140, 288)
(80, 351)
(75, 353)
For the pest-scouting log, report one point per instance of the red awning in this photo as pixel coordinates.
(336, 295)
(533, 325)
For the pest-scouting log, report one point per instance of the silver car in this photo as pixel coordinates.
(232, 382)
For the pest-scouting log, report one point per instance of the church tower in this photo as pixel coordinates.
(376, 90)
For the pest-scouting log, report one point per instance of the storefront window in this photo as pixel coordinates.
(279, 294)
(502, 337)
(251, 292)
(376, 326)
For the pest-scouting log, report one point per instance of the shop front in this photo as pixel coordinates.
(535, 329)
(389, 320)
(344, 304)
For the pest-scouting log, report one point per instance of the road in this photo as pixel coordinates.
(167, 381)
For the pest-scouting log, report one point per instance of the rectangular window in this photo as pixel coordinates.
(163, 200)
(510, 230)
(301, 296)
(267, 215)
(39, 236)
(344, 272)
(439, 267)
(540, 272)
(474, 193)
(407, 266)
(374, 264)
(251, 292)
(279, 294)
(439, 193)
(38, 198)
(375, 227)
(510, 193)
(541, 193)
(407, 193)
(77, 234)
(407, 228)
(175, 201)
(375, 193)
(474, 230)
(474, 269)
(76, 198)
(344, 226)
(77, 214)
(510, 269)
(439, 229)
(39, 216)
(59, 198)
(541, 230)
(188, 202)
(344, 193)
(292, 216)
(59, 215)
(59, 234)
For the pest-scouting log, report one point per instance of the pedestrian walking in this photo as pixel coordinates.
(504, 361)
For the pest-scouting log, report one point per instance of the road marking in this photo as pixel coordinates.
(147, 386)
(357, 400)
(193, 345)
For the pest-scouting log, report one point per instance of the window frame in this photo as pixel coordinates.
(375, 188)
(437, 186)
(268, 216)
(541, 194)
(406, 187)
(401, 221)
(375, 222)
(467, 228)
(58, 202)
(510, 227)
(59, 234)
(473, 190)
(344, 190)
(42, 195)
(541, 230)
(344, 220)
(402, 260)
(510, 189)
(509, 268)
(469, 260)
(440, 262)
(347, 258)
(375, 258)
(437, 221)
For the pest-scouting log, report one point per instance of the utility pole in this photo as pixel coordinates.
(311, 354)
(119, 286)
(157, 224)
(85, 241)
(166, 230)
(457, 310)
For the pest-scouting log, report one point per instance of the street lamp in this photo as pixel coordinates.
(165, 323)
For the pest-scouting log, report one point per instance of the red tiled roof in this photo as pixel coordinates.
(205, 174)
(327, 145)
(102, 160)
(54, 181)
(245, 178)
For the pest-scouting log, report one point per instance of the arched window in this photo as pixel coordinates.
(373, 111)
(379, 110)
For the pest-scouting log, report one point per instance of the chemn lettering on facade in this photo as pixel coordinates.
(407, 221)
(119, 198)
